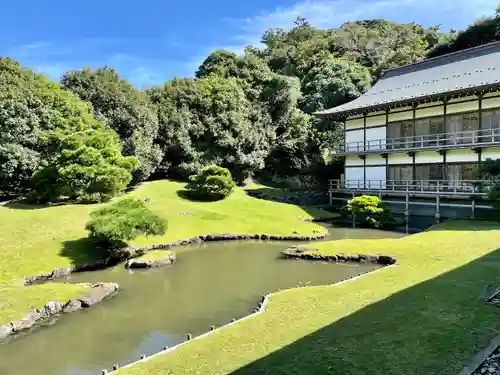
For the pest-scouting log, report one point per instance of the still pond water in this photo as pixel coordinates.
(209, 285)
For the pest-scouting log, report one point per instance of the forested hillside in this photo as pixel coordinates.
(249, 113)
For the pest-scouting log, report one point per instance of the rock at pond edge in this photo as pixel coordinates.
(99, 292)
(138, 263)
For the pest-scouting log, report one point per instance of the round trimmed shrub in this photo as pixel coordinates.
(370, 210)
(211, 183)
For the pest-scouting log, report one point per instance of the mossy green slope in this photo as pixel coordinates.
(422, 316)
(38, 239)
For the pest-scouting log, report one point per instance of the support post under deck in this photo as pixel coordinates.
(438, 214)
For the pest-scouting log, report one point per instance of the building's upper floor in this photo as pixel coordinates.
(451, 101)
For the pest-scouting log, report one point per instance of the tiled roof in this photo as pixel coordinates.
(453, 73)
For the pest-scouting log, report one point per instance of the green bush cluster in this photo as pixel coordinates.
(370, 210)
(211, 183)
(122, 221)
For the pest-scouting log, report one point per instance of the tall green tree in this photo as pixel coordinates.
(210, 121)
(220, 62)
(483, 31)
(88, 167)
(333, 82)
(31, 105)
(124, 109)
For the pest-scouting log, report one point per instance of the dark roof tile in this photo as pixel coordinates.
(471, 68)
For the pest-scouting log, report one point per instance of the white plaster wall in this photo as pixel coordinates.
(491, 153)
(375, 120)
(399, 159)
(462, 107)
(376, 177)
(352, 137)
(354, 177)
(423, 111)
(401, 115)
(490, 103)
(461, 155)
(375, 138)
(354, 124)
(353, 161)
(374, 160)
(428, 157)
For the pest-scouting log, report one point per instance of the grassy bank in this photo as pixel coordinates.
(423, 316)
(37, 239)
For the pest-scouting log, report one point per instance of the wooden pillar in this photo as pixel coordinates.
(364, 131)
(353, 215)
(345, 138)
(480, 111)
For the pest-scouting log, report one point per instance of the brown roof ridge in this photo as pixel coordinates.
(442, 57)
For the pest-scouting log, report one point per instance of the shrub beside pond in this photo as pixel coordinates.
(123, 221)
(370, 210)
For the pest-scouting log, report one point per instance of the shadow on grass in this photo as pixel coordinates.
(311, 203)
(23, 205)
(187, 195)
(434, 327)
(26, 205)
(82, 251)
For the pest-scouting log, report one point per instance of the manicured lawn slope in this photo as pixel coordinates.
(35, 240)
(238, 214)
(422, 316)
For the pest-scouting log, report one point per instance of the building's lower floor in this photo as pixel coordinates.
(444, 165)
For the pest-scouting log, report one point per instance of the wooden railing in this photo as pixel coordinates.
(432, 187)
(445, 140)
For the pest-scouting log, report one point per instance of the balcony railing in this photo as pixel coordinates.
(431, 187)
(470, 138)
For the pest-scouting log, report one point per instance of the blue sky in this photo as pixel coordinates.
(150, 41)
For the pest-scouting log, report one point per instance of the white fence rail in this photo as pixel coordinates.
(433, 187)
(470, 138)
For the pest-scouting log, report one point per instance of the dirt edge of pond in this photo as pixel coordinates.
(131, 253)
(97, 293)
(261, 308)
(310, 254)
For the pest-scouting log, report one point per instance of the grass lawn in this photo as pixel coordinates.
(36, 239)
(423, 316)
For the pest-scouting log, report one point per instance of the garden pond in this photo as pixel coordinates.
(210, 284)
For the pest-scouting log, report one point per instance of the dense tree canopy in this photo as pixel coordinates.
(210, 121)
(88, 167)
(333, 82)
(249, 113)
(124, 109)
(484, 30)
(34, 112)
